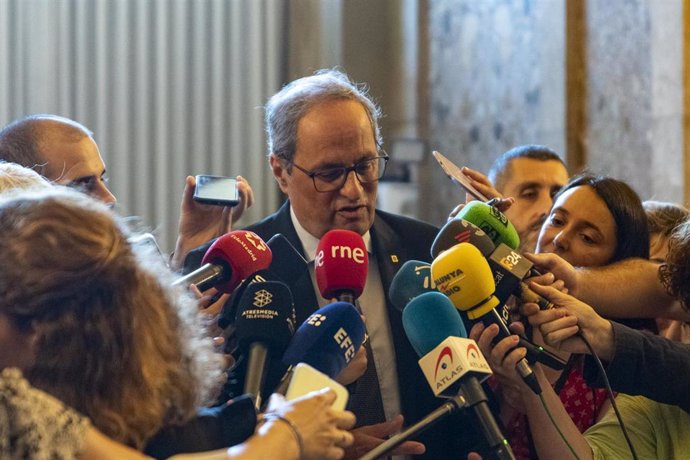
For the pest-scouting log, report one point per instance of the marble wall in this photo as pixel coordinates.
(496, 80)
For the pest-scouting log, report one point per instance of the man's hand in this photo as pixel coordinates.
(557, 266)
(560, 325)
(200, 223)
(483, 185)
(370, 436)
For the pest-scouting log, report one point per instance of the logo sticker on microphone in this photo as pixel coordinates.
(463, 236)
(425, 271)
(257, 242)
(446, 352)
(316, 319)
(262, 298)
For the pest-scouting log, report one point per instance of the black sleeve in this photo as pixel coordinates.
(212, 428)
(646, 365)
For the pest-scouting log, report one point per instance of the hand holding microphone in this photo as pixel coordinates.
(561, 326)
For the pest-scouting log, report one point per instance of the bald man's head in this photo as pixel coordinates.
(60, 149)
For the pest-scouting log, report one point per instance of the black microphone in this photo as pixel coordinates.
(509, 267)
(264, 325)
(287, 265)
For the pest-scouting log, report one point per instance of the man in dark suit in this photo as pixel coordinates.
(325, 154)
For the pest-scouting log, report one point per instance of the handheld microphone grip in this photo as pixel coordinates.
(523, 368)
(265, 323)
(452, 364)
(229, 260)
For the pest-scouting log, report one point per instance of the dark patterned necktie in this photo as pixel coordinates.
(365, 400)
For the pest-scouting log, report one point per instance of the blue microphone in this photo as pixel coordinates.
(328, 339)
(413, 278)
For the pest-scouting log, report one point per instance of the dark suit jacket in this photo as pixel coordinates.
(395, 240)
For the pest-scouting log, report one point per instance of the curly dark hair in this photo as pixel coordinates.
(675, 273)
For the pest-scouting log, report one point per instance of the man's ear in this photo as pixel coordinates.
(279, 172)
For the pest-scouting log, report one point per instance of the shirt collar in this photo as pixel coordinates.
(310, 242)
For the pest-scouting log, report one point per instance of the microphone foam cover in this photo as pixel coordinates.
(341, 263)
(429, 319)
(463, 274)
(458, 231)
(328, 339)
(229, 311)
(287, 264)
(413, 278)
(265, 313)
(244, 252)
(492, 221)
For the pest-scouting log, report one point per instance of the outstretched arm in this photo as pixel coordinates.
(630, 288)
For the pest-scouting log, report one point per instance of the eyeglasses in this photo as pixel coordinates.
(331, 179)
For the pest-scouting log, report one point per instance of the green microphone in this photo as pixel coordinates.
(492, 221)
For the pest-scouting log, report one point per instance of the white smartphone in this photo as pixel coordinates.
(306, 379)
(457, 175)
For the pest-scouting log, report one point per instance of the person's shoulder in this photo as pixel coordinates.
(278, 222)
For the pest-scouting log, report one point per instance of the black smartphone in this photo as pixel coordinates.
(218, 190)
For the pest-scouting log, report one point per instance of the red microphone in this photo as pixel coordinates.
(230, 259)
(341, 265)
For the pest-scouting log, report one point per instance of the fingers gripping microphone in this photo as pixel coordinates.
(328, 339)
(413, 278)
(341, 265)
(452, 364)
(265, 323)
(229, 260)
(462, 274)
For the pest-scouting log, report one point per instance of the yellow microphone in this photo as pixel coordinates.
(463, 274)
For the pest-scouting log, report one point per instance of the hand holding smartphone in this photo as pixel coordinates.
(458, 176)
(216, 190)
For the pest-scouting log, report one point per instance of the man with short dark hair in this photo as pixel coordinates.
(532, 175)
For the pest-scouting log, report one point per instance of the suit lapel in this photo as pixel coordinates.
(302, 290)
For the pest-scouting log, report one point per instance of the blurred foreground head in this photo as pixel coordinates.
(92, 321)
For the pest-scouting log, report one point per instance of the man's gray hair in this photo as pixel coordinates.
(287, 107)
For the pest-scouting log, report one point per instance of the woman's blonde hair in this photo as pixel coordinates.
(112, 340)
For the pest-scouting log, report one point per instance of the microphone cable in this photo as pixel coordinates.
(610, 395)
